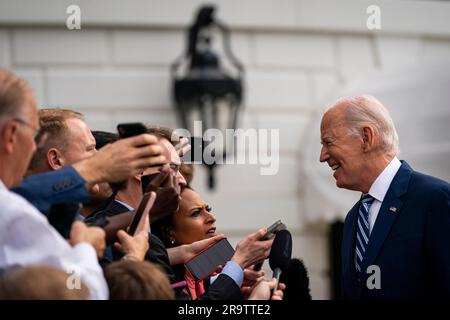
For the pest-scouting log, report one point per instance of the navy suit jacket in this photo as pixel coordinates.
(410, 241)
(59, 186)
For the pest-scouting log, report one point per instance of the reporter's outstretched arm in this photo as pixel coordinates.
(251, 250)
(185, 252)
(120, 160)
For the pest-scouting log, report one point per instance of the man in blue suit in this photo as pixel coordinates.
(396, 241)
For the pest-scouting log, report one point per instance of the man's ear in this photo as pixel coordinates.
(55, 159)
(8, 137)
(368, 136)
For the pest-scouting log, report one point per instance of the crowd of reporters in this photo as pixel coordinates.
(50, 156)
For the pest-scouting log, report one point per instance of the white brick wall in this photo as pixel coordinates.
(4, 49)
(108, 88)
(277, 89)
(147, 47)
(296, 54)
(291, 50)
(398, 52)
(54, 47)
(435, 51)
(355, 56)
(35, 79)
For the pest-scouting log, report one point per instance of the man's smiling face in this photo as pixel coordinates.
(341, 150)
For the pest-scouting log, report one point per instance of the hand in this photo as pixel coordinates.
(250, 250)
(183, 253)
(167, 190)
(136, 246)
(183, 147)
(115, 223)
(120, 160)
(261, 291)
(251, 277)
(95, 236)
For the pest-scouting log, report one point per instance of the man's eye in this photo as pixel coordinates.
(208, 208)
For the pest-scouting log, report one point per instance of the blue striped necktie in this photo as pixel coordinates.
(362, 232)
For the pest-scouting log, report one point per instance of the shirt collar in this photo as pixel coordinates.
(125, 205)
(381, 184)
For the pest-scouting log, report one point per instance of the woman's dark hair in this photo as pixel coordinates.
(161, 228)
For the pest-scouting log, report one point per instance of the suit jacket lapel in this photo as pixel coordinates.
(387, 215)
(348, 244)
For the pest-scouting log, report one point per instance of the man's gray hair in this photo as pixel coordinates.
(365, 109)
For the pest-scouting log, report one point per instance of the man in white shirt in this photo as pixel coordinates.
(25, 235)
(395, 241)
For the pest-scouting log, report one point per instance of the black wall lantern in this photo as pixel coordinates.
(203, 89)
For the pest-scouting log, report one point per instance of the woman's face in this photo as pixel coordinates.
(193, 220)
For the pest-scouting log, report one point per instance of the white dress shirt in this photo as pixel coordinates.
(26, 238)
(380, 187)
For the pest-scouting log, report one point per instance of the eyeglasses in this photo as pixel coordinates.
(38, 135)
(175, 167)
(36, 131)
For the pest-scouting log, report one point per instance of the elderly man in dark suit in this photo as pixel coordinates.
(396, 238)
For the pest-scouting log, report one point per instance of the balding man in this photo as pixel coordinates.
(396, 238)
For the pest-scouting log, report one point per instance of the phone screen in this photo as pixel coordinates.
(207, 261)
(145, 180)
(127, 130)
(140, 211)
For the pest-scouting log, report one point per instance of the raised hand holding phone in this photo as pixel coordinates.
(166, 187)
(135, 245)
(271, 231)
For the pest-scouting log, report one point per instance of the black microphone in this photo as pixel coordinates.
(280, 254)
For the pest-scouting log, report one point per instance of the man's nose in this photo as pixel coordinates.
(181, 180)
(324, 154)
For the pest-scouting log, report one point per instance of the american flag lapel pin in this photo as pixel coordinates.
(393, 209)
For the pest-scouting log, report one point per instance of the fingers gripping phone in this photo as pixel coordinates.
(271, 231)
(144, 208)
(208, 260)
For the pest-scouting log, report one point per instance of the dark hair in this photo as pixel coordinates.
(137, 280)
(102, 138)
(161, 228)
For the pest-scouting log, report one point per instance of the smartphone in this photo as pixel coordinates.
(272, 230)
(208, 260)
(62, 215)
(145, 180)
(131, 129)
(139, 212)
